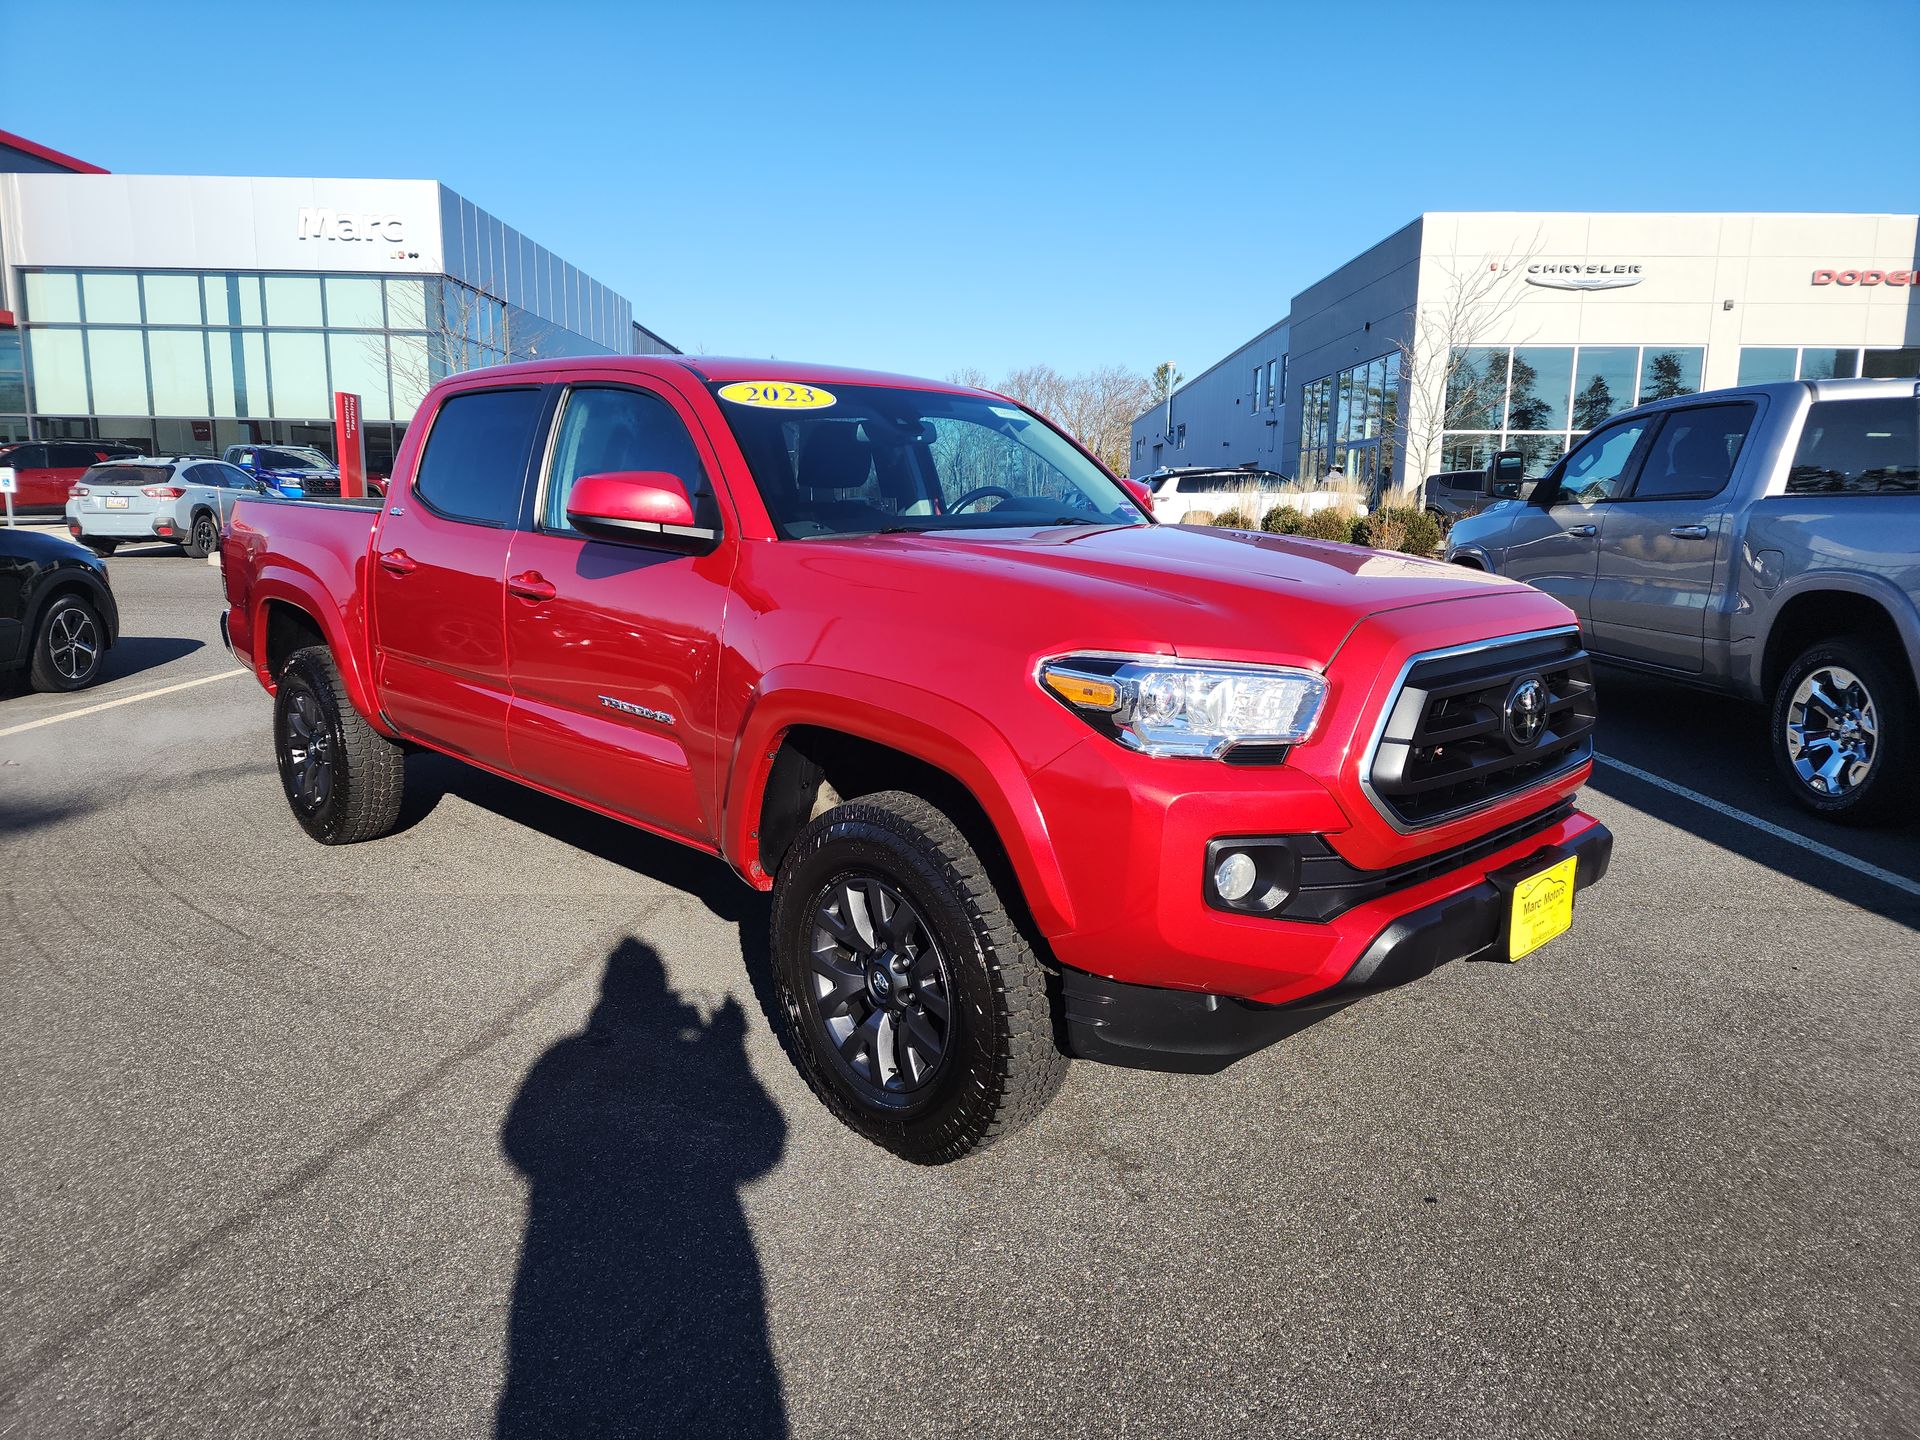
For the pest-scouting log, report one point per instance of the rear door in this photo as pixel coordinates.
(615, 647)
(1663, 544)
(1554, 545)
(36, 486)
(439, 571)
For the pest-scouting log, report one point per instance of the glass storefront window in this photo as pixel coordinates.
(1829, 364)
(293, 300)
(1890, 364)
(1477, 388)
(353, 304)
(1603, 383)
(53, 299)
(1760, 365)
(111, 299)
(360, 366)
(117, 367)
(407, 304)
(299, 372)
(1670, 371)
(1542, 378)
(172, 299)
(410, 373)
(179, 372)
(59, 369)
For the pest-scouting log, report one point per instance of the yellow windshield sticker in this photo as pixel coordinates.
(777, 395)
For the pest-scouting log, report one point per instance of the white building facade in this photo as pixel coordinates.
(187, 313)
(1462, 334)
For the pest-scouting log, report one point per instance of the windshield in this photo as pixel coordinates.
(299, 458)
(866, 459)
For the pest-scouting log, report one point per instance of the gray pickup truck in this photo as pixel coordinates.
(1764, 541)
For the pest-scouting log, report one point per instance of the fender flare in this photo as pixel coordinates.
(1888, 596)
(932, 728)
(283, 584)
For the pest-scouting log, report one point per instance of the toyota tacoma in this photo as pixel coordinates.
(1028, 775)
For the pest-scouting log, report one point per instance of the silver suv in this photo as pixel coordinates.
(186, 499)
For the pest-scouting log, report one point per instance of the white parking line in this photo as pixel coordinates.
(123, 700)
(1825, 852)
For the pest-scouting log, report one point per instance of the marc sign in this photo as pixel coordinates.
(1584, 275)
(317, 223)
(1866, 277)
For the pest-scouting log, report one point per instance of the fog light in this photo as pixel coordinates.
(1234, 876)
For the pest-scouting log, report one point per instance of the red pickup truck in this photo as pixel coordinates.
(1028, 774)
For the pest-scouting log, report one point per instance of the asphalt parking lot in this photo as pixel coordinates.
(481, 1126)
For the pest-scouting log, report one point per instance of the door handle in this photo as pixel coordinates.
(531, 585)
(1690, 532)
(398, 562)
(1584, 531)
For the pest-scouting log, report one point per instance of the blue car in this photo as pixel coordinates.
(291, 471)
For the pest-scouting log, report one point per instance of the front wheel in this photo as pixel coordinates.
(1843, 732)
(911, 1002)
(204, 538)
(342, 778)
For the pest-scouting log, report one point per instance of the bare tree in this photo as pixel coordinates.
(1096, 408)
(434, 335)
(1444, 386)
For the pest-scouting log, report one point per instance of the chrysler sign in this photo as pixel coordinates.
(1582, 275)
(322, 224)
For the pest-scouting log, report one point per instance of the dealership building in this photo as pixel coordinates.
(188, 313)
(1463, 334)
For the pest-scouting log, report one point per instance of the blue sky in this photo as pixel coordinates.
(922, 187)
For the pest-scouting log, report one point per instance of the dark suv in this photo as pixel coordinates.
(46, 469)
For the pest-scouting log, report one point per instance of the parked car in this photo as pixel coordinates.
(1763, 540)
(1454, 494)
(904, 654)
(186, 499)
(1176, 492)
(44, 470)
(292, 471)
(57, 616)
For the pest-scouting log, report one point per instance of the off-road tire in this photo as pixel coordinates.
(57, 665)
(203, 538)
(1886, 793)
(368, 771)
(1003, 1066)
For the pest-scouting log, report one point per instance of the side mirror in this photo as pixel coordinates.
(1142, 492)
(1505, 472)
(639, 507)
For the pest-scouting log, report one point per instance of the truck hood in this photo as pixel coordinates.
(1201, 591)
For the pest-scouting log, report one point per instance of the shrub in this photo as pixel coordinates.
(1231, 520)
(1281, 520)
(1197, 517)
(1327, 525)
(1404, 528)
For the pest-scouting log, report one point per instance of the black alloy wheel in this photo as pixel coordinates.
(205, 537)
(71, 645)
(907, 995)
(881, 994)
(342, 778)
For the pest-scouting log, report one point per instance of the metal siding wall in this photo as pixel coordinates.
(1223, 427)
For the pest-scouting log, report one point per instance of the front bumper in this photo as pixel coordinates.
(1147, 1027)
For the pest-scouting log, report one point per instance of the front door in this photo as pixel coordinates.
(1554, 542)
(1662, 544)
(615, 647)
(439, 573)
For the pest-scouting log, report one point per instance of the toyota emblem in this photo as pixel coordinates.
(1525, 713)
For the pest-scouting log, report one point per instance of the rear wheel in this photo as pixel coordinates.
(70, 647)
(204, 538)
(342, 778)
(1844, 732)
(911, 1002)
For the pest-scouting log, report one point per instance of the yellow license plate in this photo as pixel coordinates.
(1542, 908)
(116, 502)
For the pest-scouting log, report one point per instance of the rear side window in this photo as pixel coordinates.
(1694, 454)
(604, 430)
(1858, 447)
(476, 455)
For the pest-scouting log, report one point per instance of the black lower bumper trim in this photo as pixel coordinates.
(1146, 1027)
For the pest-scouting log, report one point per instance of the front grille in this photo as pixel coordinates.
(1449, 744)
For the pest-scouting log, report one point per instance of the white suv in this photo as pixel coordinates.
(1175, 492)
(185, 499)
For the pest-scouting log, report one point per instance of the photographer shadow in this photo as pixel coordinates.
(638, 1307)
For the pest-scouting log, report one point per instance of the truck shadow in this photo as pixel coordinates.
(638, 1306)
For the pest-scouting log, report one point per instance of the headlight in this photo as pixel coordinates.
(1177, 707)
